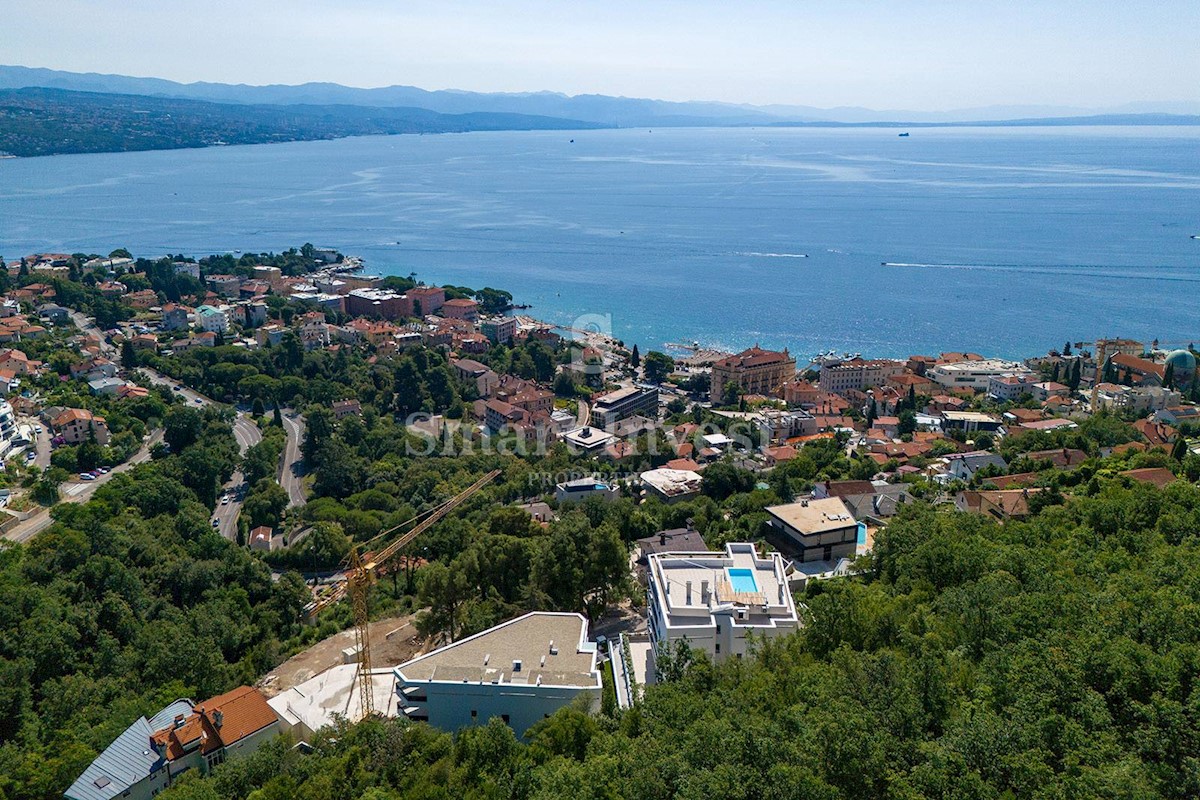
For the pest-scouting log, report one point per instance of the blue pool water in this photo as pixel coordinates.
(862, 533)
(742, 580)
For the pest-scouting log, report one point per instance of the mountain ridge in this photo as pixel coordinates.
(589, 107)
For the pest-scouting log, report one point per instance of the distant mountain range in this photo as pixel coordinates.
(600, 109)
(40, 122)
(43, 112)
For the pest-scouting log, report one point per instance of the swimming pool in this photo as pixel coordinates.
(742, 580)
(862, 533)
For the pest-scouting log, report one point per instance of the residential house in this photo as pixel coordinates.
(499, 330)
(347, 408)
(1008, 388)
(580, 489)
(675, 540)
(54, 314)
(963, 466)
(426, 299)
(521, 671)
(478, 375)
(1159, 477)
(718, 602)
(815, 530)
(461, 308)
(1139, 370)
(152, 753)
(77, 425)
(174, 317)
(378, 304)
(263, 539)
(970, 421)
(672, 485)
(1000, 504)
(1158, 434)
(1060, 458)
(224, 285)
(1044, 390)
(212, 319)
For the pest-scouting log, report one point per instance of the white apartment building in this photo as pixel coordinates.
(858, 374)
(1007, 388)
(212, 319)
(521, 671)
(976, 374)
(714, 600)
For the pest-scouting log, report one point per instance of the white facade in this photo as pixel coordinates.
(976, 374)
(1007, 388)
(715, 601)
(521, 671)
(212, 320)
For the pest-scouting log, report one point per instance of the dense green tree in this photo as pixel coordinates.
(657, 366)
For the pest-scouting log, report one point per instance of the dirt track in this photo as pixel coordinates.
(327, 653)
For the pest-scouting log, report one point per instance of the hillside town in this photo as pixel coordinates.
(104, 356)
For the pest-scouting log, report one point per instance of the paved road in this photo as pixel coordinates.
(41, 442)
(291, 471)
(247, 434)
(88, 325)
(76, 491)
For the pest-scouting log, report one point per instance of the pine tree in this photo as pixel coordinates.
(1067, 349)
(635, 358)
(912, 397)
(1055, 373)
(1180, 450)
(1169, 376)
(276, 416)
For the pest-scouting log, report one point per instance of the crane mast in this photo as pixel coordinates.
(362, 574)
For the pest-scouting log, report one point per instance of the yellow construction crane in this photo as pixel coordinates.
(362, 574)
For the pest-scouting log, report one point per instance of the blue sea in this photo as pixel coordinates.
(1005, 241)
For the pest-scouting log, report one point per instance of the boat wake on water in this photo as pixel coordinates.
(1112, 271)
(772, 255)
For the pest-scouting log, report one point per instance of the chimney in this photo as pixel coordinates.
(662, 538)
(178, 721)
(516, 665)
(691, 524)
(218, 719)
(689, 593)
(704, 592)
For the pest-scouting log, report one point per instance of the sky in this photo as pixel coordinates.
(920, 54)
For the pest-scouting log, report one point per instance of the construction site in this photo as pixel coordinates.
(350, 675)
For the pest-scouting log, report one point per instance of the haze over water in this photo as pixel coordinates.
(1012, 239)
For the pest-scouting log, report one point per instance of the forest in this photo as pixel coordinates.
(1051, 658)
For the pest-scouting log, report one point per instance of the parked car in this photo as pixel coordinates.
(103, 470)
(86, 476)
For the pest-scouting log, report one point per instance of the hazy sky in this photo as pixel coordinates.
(889, 54)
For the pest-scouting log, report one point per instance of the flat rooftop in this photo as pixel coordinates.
(969, 416)
(552, 649)
(737, 576)
(814, 516)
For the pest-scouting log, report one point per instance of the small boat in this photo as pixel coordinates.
(904, 134)
(572, 141)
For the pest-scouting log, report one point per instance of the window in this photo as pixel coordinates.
(505, 718)
(474, 713)
(718, 629)
(718, 648)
